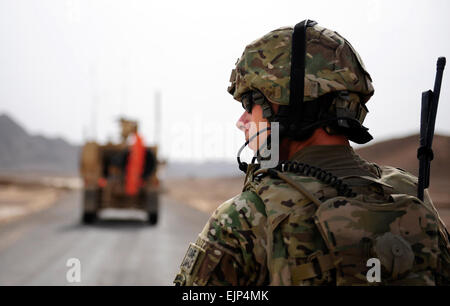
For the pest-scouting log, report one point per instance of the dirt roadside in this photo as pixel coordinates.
(204, 194)
(17, 201)
(21, 195)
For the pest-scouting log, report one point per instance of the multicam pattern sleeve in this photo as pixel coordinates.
(232, 245)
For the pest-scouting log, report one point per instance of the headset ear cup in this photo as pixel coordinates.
(282, 118)
(243, 167)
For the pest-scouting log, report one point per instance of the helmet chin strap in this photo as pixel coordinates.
(243, 165)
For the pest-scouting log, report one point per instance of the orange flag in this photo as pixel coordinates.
(135, 166)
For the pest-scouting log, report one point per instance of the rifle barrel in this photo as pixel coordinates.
(440, 65)
(430, 101)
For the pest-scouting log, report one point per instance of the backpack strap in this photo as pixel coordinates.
(300, 188)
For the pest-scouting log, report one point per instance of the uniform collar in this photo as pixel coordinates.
(320, 152)
(338, 159)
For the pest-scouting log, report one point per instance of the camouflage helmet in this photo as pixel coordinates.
(332, 68)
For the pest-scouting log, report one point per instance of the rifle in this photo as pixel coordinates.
(430, 100)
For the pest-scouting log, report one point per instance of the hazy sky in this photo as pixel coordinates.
(70, 68)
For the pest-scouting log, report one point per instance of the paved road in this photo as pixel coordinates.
(35, 250)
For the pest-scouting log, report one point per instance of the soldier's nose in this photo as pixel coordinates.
(243, 121)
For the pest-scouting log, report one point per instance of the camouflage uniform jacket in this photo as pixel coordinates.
(256, 237)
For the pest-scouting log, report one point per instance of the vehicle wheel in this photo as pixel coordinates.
(152, 204)
(91, 201)
(89, 217)
(152, 218)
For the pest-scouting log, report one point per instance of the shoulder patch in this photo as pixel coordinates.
(191, 257)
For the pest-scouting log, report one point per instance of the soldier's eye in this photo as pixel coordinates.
(247, 104)
(247, 107)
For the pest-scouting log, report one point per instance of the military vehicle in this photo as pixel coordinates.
(120, 175)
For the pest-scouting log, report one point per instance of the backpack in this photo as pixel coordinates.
(368, 243)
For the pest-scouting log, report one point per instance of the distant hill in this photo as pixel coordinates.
(24, 152)
(402, 153)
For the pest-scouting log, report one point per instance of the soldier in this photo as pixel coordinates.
(324, 216)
